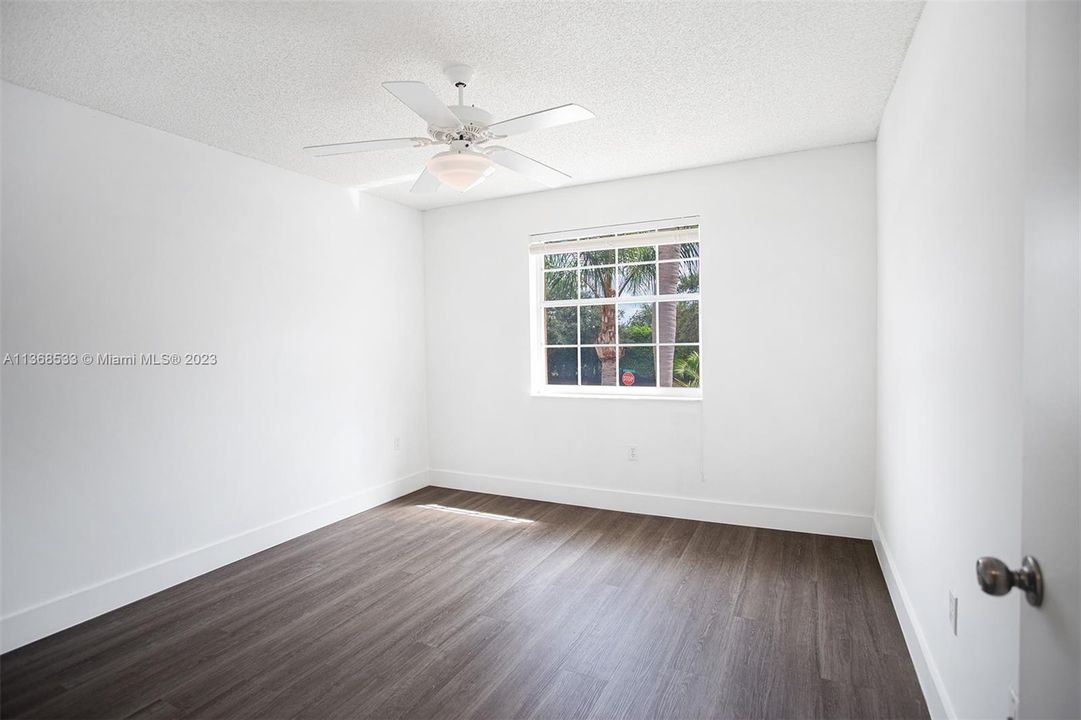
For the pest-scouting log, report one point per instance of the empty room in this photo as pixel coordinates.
(537, 359)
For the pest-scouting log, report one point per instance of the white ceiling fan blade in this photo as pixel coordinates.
(527, 166)
(419, 98)
(426, 183)
(365, 146)
(543, 119)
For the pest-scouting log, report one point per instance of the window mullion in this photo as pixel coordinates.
(686, 297)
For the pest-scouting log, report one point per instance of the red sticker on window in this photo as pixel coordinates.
(628, 378)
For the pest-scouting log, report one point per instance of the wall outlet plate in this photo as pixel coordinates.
(632, 453)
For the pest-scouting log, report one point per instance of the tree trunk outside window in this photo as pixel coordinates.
(667, 280)
(607, 335)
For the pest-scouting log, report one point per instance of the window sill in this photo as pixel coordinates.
(605, 396)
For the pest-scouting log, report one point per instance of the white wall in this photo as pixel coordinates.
(784, 435)
(118, 481)
(950, 251)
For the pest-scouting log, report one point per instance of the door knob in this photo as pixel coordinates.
(996, 578)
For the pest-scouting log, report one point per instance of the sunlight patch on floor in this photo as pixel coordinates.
(475, 513)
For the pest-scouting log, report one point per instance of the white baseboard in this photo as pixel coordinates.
(818, 522)
(934, 690)
(34, 623)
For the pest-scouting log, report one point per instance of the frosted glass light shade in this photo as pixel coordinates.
(460, 170)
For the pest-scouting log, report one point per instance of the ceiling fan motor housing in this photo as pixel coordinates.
(475, 122)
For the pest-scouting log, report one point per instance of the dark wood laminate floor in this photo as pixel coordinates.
(408, 611)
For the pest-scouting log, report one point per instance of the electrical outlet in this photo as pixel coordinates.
(953, 612)
(397, 443)
(632, 453)
(1011, 712)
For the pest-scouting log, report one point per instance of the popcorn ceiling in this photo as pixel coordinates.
(673, 84)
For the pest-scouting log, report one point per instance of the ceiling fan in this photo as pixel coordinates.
(467, 130)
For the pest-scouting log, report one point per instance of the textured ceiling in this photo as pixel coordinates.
(673, 84)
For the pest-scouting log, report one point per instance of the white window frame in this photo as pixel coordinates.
(626, 235)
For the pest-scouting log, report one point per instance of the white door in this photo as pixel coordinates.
(1050, 655)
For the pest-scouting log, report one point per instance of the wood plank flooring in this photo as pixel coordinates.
(408, 611)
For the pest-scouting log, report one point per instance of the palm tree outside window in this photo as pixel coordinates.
(620, 313)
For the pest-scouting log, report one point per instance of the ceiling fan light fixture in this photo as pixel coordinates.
(460, 169)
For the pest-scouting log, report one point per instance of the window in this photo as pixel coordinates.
(616, 311)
